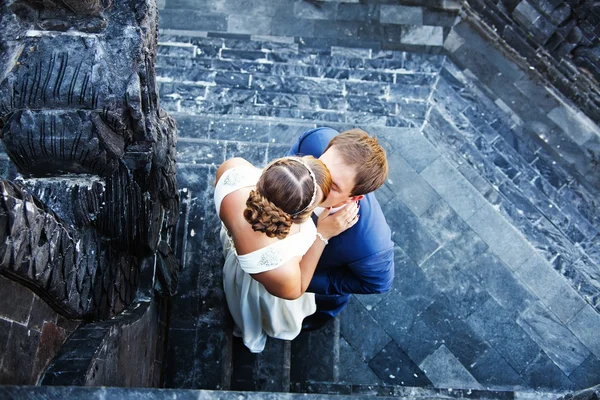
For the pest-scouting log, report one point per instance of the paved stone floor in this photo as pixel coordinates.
(497, 255)
(497, 249)
(496, 245)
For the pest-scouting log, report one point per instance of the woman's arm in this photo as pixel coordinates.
(290, 280)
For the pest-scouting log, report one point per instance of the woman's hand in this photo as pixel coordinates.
(330, 225)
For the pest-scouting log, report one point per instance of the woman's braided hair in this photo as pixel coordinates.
(285, 194)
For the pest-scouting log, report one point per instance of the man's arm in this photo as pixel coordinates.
(373, 274)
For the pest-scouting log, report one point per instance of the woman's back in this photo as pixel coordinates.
(234, 184)
(257, 312)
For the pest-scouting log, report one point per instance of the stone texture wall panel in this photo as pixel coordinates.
(94, 206)
(559, 38)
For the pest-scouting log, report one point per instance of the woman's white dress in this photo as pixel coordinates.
(256, 312)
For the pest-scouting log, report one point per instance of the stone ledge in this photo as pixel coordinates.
(397, 393)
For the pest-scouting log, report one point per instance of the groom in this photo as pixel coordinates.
(361, 259)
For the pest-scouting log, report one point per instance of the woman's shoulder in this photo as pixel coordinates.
(236, 162)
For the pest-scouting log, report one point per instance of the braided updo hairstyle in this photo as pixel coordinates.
(284, 193)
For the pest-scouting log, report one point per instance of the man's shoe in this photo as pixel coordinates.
(315, 322)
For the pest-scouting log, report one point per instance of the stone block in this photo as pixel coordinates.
(200, 152)
(504, 286)
(503, 239)
(460, 288)
(466, 344)
(20, 355)
(5, 327)
(557, 341)
(443, 222)
(369, 75)
(245, 131)
(362, 332)
(394, 367)
(51, 339)
(411, 145)
(574, 123)
(413, 287)
(192, 20)
(453, 188)
(445, 371)
(254, 153)
(422, 35)
(491, 370)
(543, 374)
(409, 186)
(408, 232)
(497, 325)
(585, 325)
(311, 11)
(439, 18)
(425, 63)
(588, 374)
(304, 365)
(19, 307)
(402, 15)
(357, 12)
(551, 288)
(352, 369)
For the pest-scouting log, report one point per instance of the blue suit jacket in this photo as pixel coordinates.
(360, 259)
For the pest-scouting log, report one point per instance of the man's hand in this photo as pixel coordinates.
(330, 225)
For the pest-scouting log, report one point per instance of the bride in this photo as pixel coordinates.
(271, 244)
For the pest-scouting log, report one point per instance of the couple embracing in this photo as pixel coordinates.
(302, 234)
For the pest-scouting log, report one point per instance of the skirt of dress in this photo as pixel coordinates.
(257, 313)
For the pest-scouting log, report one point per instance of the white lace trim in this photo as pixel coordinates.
(270, 258)
(233, 178)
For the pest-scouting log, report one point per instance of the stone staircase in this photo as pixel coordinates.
(253, 99)
(473, 204)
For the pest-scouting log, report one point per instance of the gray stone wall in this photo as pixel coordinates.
(31, 333)
(557, 37)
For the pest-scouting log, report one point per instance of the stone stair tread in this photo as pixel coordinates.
(276, 93)
(100, 393)
(333, 56)
(268, 371)
(321, 117)
(225, 100)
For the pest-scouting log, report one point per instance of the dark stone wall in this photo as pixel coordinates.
(31, 334)
(126, 351)
(559, 38)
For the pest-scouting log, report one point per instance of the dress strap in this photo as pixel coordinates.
(233, 179)
(281, 251)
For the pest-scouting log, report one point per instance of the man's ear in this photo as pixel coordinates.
(357, 198)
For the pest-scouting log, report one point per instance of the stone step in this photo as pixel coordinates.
(268, 371)
(305, 367)
(464, 131)
(354, 392)
(356, 110)
(320, 117)
(372, 25)
(194, 51)
(288, 78)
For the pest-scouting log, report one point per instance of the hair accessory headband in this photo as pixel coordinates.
(314, 179)
(312, 176)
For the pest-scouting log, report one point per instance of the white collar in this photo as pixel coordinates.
(319, 210)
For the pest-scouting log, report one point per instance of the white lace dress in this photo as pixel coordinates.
(256, 312)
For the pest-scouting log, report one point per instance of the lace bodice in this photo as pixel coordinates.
(275, 254)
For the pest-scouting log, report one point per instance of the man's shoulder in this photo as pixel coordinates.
(313, 142)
